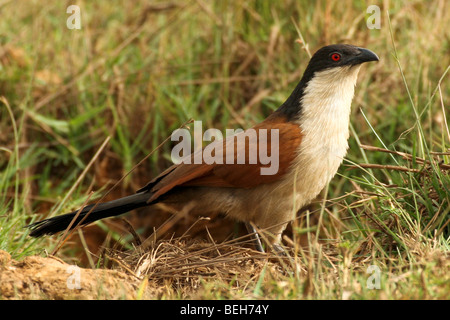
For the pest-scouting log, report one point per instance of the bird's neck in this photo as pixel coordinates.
(324, 120)
(335, 85)
(324, 108)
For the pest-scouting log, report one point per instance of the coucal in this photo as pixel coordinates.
(312, 128)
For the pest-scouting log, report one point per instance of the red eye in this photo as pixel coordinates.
(336, 56)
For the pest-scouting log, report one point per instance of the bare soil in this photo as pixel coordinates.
(51, 278)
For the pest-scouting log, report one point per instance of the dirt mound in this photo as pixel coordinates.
(50, 278)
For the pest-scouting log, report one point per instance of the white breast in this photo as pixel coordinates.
(324, 122)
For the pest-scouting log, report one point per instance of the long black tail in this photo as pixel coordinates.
(102, 210)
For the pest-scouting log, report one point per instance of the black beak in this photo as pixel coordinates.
(364, 55)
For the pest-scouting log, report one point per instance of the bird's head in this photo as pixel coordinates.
(330, 75)
(337, 56)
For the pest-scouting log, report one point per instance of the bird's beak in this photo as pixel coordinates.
(365, 56)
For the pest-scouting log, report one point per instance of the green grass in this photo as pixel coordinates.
(135, 72)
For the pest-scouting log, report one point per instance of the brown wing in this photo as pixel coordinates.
(245, 175)
(250, 175)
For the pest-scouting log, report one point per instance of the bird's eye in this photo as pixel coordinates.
(336, 57)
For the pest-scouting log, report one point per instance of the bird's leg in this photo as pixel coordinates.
(255, 236)
(278, 249)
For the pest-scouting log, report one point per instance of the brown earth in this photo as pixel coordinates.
(50, 278)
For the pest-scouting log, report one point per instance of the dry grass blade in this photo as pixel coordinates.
(405, 156)
(383, 166)
(64, 237)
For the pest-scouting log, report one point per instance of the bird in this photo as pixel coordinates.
(311, 141)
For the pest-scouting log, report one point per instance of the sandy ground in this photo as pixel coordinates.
(50, 278)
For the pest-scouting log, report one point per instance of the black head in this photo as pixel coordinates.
(338, 55)
(332, 56)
